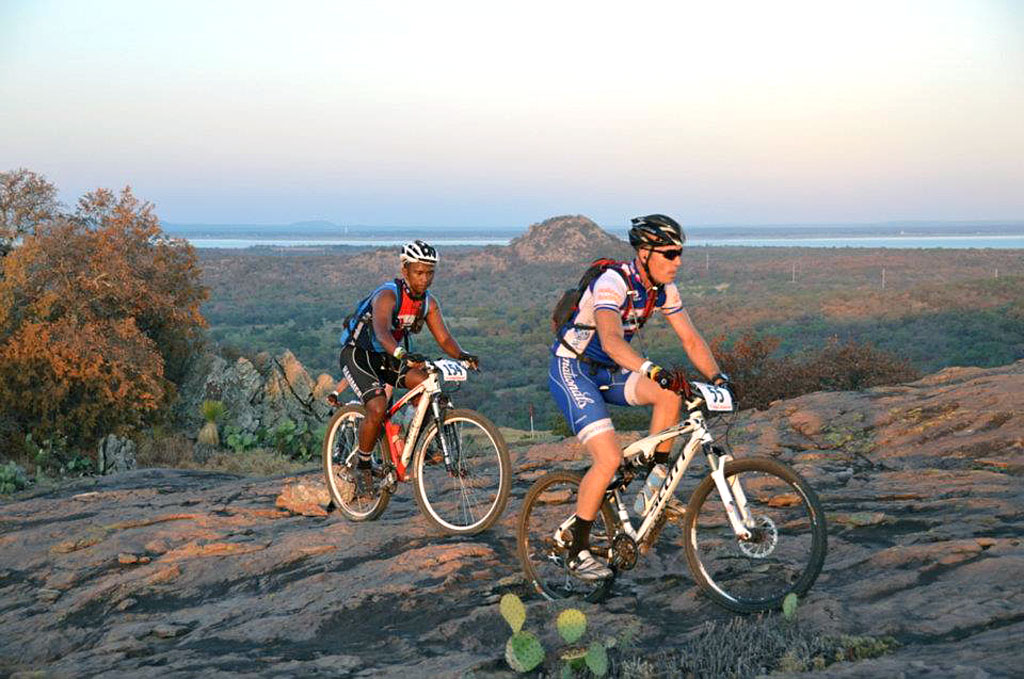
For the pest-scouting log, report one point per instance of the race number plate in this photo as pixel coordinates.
(718, 399)
(451, 371)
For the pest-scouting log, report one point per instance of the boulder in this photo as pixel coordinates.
(115, 454)
(261, 393)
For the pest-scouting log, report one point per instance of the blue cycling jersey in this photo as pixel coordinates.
(611, 291)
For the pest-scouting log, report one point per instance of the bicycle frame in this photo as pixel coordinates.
(732, 495)
(431, 388)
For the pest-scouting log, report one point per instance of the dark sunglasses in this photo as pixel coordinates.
(670, 254)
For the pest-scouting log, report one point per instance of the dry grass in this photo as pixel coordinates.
(176, 452)
(173, 450)
(256, 462)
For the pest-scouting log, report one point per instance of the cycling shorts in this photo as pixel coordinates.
(581, 391)
(368, 372)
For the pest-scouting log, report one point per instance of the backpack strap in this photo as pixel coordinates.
(616, 267)
(421, 312)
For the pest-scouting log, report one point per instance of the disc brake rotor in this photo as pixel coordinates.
(764, 539)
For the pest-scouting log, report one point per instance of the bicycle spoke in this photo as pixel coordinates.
(549, 503)
(785, 550)
(339, 453)
(467, 491)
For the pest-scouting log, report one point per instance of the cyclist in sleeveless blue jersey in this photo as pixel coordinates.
(375, 353)
(593, 364)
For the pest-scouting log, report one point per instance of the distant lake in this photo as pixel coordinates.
(1013, 241)
(235, 243)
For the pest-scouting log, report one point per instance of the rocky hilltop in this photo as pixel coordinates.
(565, 239)
(171, 573)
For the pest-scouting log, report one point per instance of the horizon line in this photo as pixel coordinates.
(893, 222)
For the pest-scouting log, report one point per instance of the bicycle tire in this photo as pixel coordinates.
(542, 560)
(791, 520)
(345, 422)
(451, 500)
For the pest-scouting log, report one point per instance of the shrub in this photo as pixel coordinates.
(211, 411)
(12, 478)
(760, 377)
(98, 315)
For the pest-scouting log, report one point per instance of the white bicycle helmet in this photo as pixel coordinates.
(419, 251)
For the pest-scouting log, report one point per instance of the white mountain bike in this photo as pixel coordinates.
(456, 459)
(753, 529)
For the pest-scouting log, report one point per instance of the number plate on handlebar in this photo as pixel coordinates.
(716, 398)
(451, 371)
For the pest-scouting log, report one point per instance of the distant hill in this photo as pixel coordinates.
(565, 239)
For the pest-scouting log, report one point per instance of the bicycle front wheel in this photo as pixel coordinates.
(339, 461)
(466, 493)
(789, 540)
(542, 538)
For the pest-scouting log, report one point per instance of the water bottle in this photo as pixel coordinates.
(645, 498)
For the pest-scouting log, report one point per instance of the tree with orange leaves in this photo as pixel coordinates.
(98, 314)
(26, 199)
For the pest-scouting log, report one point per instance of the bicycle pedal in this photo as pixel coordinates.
(675, 510)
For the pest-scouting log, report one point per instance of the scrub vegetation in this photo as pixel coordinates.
(784, 321)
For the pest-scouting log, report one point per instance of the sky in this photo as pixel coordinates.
(504, 114)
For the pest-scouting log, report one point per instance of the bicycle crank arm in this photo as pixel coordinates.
(564, 528)
(725, 492)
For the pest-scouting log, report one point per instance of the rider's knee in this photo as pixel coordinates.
(668, 399)
(375, 409)
(609, 462)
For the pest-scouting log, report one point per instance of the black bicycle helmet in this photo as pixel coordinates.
(652, 231)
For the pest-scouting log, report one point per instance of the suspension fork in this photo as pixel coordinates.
(438, 411)
(731, 492)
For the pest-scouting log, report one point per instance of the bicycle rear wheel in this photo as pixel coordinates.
(786, 552)
(339, 461)
(469, 495)
(550, 501)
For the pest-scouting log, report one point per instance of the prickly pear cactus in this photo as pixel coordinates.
(597, 659)
(572, 623)
(789, 604)
(513, 611)
(523, 652)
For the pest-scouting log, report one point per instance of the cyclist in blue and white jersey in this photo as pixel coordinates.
(594, 364)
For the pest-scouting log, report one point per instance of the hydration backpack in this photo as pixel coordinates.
(569, 303)
(355, 322)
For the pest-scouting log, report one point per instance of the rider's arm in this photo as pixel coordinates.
(438, 328)
(383, 306)
(696, 348)
(613, 340)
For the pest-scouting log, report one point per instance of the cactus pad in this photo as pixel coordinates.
(513, 611)
(572, 623)
(597, 659)
(789, 606)
(523, 652)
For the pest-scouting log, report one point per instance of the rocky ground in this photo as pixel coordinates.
(174, 573)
